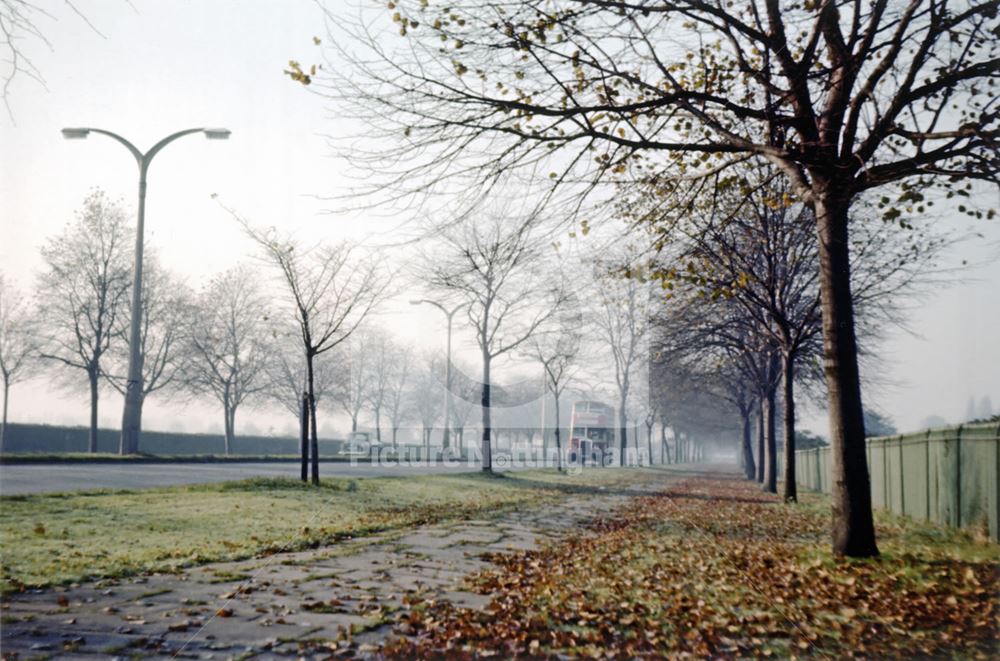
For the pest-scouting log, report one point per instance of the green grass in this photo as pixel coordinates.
(52, 539)
(899, 536)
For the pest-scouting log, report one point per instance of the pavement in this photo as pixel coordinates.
(344, 599)
(51, 478)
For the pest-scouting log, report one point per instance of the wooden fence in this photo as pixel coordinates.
(948, 476)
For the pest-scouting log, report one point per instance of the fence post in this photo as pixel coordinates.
(927, 475)
(902, 487)
(885, 477)
(304, 436)
(996, 484)
(958, 477)
(819, 470)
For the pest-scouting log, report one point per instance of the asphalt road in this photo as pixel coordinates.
(47, 478)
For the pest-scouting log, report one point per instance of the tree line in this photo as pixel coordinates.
(891, 102)
(309, 332)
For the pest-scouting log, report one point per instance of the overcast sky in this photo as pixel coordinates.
(148, 69)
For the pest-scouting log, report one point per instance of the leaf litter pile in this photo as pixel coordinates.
(713, 567)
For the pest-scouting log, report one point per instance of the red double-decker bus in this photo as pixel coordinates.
(593, 435)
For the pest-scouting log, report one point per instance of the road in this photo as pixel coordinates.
(47, 478)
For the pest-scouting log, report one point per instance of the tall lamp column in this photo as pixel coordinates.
(132, 414)
(449, 314)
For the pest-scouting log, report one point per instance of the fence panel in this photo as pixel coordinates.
(978, 479)
(826, 469)
(894, 466)
(913, 453)
(877, 474)
(803, 468)
(947, 444)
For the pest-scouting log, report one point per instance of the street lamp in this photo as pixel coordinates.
(132, 414)
(447, 370)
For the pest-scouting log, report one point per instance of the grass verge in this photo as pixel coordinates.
(714, 568)
(49, 539)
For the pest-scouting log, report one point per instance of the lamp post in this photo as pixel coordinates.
(132, 414)
(447, 373)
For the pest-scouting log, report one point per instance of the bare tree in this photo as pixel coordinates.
(383, 355)
(18, 344)
(397, 385)
(466, 396)
(166, 309)
(288, 379)
(703, 345)
(637, 413)
(755, 255)
(557, 352)
(330, 290)
(622, 322)
(559, 363)
(20, 23)
(643, 411)
(229, 344)
(426, 397)
(83, 292)
(352, 395)
(492, 263)
(890, 95)
(751, 250)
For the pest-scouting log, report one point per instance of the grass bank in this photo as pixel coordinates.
(49, 539)
(714, 568)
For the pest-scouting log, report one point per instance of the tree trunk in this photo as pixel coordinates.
(760, 440)
(93, 375)
(853, 525)
(748, 464)
(665, 447)
(741, 460)
(770, 443)
(788, 491)
(395, 431)
(354, 422)
(623, 425)
(230, 429)
(313, 440)
(313, 429)
(225, 421)
(378, 425)
(3, 425)
(485, 402)
(304, 436)
(649, 441)
(559, 465)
